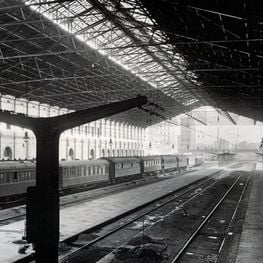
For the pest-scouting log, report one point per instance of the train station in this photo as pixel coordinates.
(131, 131)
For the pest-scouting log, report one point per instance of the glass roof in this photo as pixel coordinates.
(124, 32)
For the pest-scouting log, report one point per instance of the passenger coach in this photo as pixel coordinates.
(83, 172)
(16, 176)
(123, 167)
(151, 164)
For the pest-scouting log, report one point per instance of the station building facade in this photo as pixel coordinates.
(102, 138)
(187, 138)
(162, 138)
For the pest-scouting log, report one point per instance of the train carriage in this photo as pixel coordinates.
(16, 176)
(193, 161)
(183, 162)
(198, 161)
(122, 166)
(170, 162)
(190, 161)
(151, 164)
(83, 172)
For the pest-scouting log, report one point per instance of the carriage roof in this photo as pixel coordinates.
(97, 162)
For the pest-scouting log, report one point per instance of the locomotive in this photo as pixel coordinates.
(16, 176)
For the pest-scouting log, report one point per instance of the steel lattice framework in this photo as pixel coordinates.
(84, 53)
(221, 42)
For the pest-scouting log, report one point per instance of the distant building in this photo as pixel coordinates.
(187, 138)
(162, 138)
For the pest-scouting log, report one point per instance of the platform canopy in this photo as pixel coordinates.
(221, 43)
(83, 53)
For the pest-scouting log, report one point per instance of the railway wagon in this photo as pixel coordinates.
(83, 172)
(16, 176)
(170, 162)
(151, 164)
(122, 167)
(190, 161)
(183, 163)
(198, 161)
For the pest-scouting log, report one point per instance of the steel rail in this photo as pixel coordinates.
(142, 215)
(186, 244)
(233, 216)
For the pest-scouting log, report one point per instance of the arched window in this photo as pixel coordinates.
(108, 153)
(103, 153)
(71, 153)
(8, 153)
(92, 154)
(113, 153)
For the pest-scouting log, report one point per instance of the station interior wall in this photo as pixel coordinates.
(97, 139)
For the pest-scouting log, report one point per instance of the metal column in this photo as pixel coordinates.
(43, 199)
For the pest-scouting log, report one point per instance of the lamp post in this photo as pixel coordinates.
(26, 140)
(110, 143)
(150, 147)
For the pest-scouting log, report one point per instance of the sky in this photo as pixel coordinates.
(245, 130)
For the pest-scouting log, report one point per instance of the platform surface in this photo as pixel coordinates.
(251, 242)
(90, 213)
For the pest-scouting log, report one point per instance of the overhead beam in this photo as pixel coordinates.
(189, 114)
(216, 12)
(225, 69)
(6, 8)
(230, 117)
(227, 115)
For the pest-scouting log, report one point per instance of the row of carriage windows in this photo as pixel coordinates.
(78, 171)
(68, 172)
(171, 160)
(152, 163)
(15, 177)
(126, 165)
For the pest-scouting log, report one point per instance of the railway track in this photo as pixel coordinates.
(209, 242)
(136, 236)
(88, 238)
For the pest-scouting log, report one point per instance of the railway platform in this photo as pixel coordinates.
(251, 241)
(93, 212)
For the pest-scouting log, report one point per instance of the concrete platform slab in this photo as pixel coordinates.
(251, 242)
(88, 214)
